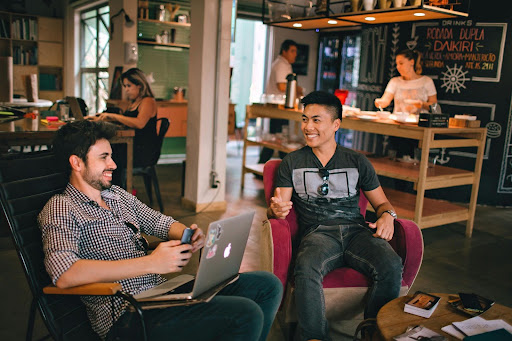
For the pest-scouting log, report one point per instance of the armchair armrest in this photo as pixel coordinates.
(408, 243)
(282, 247)
(99, 289)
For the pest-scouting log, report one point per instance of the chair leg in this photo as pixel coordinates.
(157, 188)
(31, 319)
(147, 184)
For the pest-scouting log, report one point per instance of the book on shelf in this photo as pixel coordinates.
(3, 29)
(422, 304)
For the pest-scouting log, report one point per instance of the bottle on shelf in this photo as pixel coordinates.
(161, 13)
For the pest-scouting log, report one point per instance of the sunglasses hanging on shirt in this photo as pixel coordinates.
(323, 189)
(143, 242)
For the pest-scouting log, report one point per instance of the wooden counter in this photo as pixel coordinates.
(424, 211)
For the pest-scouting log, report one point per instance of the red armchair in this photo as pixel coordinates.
(344, 288)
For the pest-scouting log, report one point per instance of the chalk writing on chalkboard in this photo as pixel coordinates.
(462, 50)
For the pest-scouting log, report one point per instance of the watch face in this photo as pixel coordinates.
(393, 214)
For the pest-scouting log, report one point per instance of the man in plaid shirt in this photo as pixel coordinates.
(92, 233)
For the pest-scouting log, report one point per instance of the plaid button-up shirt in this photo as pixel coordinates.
(75, 227)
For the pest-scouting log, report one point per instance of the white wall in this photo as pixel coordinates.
(278, 35)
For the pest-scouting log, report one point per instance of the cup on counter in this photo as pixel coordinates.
(64, 112)
(392, 154)
(417, 154)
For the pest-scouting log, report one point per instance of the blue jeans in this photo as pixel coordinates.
(244, 310)
(329, 247)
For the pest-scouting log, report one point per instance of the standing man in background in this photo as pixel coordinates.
(276, 85)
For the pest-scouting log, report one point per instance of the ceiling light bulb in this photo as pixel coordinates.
(369, 18)
(332, 22)
(419, 14)
(297, 25)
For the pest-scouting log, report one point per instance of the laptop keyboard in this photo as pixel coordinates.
(184, 288)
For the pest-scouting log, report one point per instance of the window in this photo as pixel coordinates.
(94, 55)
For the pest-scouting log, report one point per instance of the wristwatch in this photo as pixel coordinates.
(391, 213)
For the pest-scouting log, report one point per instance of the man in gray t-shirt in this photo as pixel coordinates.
(323, 181)
(348, 172)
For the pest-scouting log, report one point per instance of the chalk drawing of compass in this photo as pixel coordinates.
(454, 79)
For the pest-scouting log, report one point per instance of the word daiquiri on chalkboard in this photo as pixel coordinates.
(462, 49)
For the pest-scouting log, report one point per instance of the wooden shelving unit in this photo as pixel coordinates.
(148, 28)
(36, 45)
(165, 23)
(147, 42)
(425, 212)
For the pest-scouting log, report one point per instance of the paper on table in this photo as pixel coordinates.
(450, 329)
(418, 333)
(474, 326)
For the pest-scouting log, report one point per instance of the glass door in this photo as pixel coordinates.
(328, 71)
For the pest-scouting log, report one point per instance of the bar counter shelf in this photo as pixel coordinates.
(425, 212)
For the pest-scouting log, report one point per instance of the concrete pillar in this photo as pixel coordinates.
(208, 103)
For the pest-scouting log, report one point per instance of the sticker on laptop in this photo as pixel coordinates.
(219, 232)
(211, 252)
(213, 235)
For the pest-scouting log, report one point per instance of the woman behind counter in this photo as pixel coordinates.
(141, 115)
(410, 91)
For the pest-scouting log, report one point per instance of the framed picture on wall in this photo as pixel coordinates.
(300, 67)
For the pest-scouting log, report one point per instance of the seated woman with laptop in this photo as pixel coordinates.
(140, 115)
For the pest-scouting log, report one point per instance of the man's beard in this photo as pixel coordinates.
(97, 183)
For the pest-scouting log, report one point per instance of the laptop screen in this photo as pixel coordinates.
(77, 107)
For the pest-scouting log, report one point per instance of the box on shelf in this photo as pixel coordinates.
(463, 123)
(433, 120)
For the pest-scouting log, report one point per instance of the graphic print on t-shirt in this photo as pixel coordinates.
(342, 183)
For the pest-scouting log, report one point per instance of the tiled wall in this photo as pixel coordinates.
(169, 66)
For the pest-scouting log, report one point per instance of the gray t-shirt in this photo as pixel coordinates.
(349, 171)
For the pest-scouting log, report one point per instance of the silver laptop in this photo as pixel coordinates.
(75, 108)
(221, 257)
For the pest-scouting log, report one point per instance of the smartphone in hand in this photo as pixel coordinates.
(187, 236)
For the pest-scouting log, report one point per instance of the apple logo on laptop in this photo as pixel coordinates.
(227, 251)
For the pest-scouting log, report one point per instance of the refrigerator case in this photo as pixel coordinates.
(328, 71)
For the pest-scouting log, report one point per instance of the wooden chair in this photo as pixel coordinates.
(27, 181)
(344, 288)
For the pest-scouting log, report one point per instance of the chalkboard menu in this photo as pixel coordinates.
(461, 50)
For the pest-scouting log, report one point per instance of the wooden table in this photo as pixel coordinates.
(31, 132)
(393, 321)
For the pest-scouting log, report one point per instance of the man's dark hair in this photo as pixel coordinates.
(75, 138)
(331, 102)
(285, 46)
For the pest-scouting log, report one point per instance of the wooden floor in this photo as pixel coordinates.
(452, 263)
